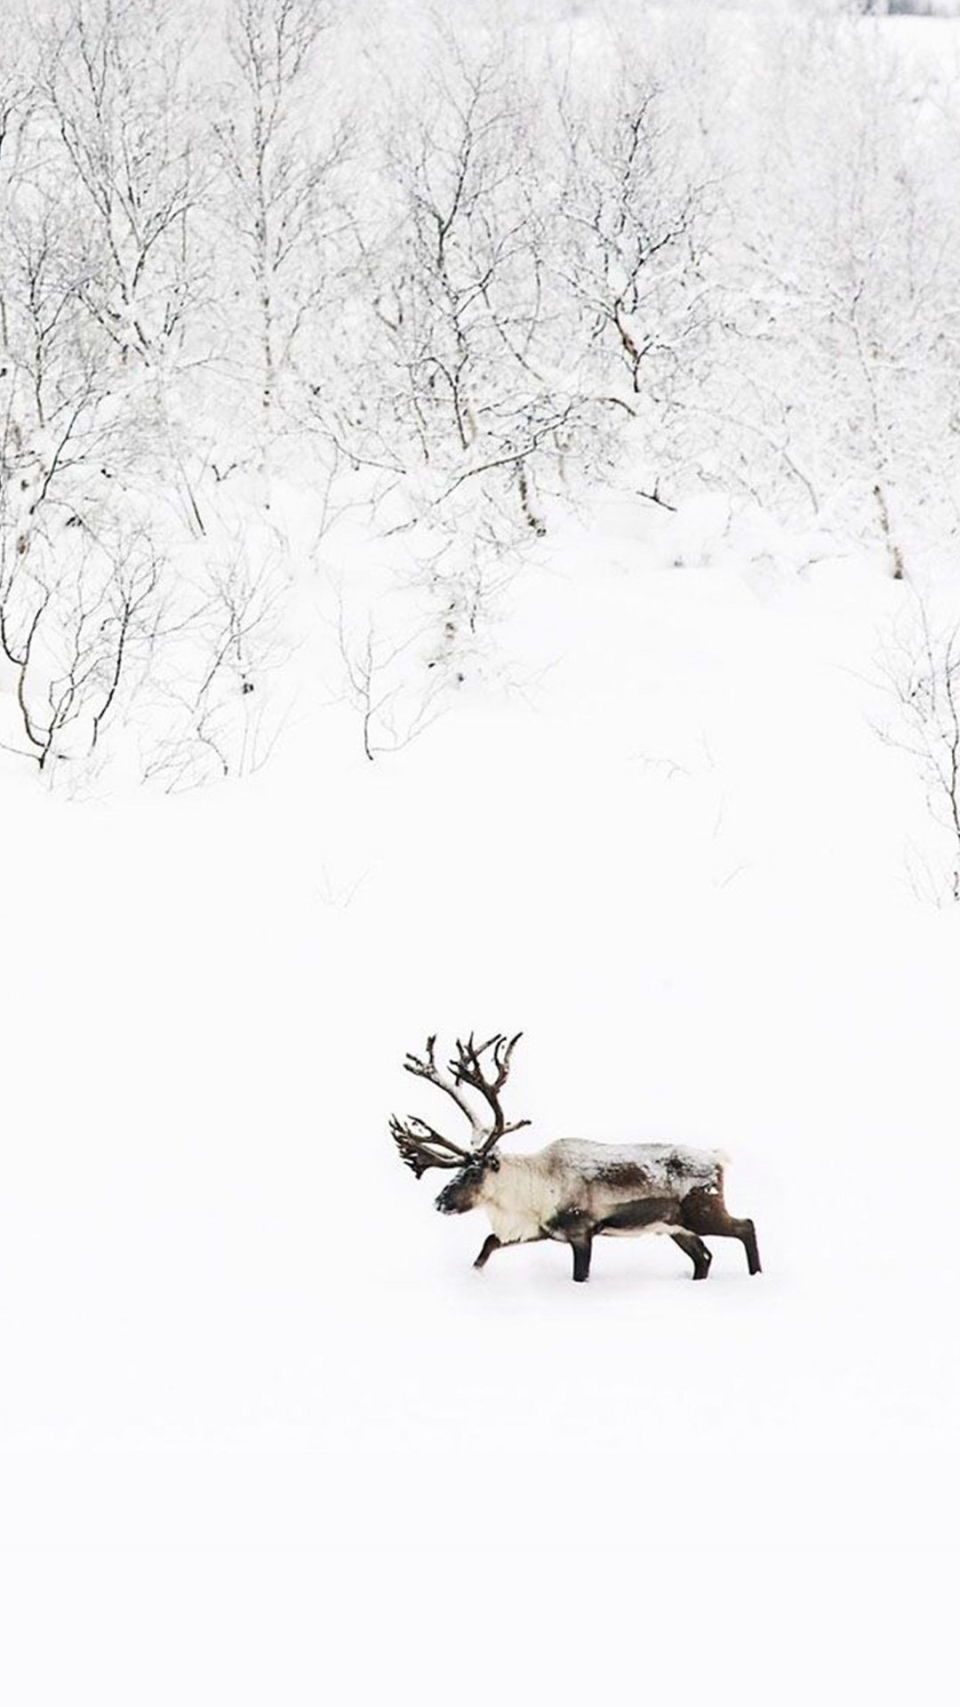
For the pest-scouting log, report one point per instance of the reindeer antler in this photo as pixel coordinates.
(467, 1069)
(422, 1148)
(428, 1069)
(419, 1145)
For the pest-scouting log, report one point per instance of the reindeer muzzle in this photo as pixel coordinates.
(444, 1202)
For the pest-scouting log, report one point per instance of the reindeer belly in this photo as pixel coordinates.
(636, 1232)
(640, 1215)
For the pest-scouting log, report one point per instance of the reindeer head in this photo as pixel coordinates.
(421, 1147)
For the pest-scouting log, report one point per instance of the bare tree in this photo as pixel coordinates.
(634, 231)
(77, 632)
(459, 354)
(51, 378)
(842, 329)
(381, 681)
(106, 282)
(62, 427)
(224, 646)
(118, 96)
(282, 165)
(920, 667)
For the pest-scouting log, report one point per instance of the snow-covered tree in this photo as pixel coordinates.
(283, 135)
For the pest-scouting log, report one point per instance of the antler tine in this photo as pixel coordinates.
(428, 1069)
(466, 1064)
(425, 1130)
(502, 1047)
(503, 1052)
(467, 1069)
(425, 1069)
(421, 1147)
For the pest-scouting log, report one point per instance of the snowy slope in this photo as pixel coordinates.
(266, 1435)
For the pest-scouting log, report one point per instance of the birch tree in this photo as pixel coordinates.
(459, 356)
(118, 94)
(282, 143)
(838, 393)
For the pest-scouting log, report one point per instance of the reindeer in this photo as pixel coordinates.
(573, 1191)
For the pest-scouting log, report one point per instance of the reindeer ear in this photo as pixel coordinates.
(494, 1163)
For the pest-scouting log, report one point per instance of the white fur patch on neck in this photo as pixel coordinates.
(517, 1200)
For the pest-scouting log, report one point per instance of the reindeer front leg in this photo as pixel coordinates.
(490, 1244)
(572, 1227)
(582, 1250)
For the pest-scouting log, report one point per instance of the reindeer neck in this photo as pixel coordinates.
(515, 1198)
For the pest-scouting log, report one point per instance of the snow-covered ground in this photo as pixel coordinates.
(266, 1435)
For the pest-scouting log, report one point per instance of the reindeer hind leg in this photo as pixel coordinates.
(705, 1213)
(747, 1234)
(697, 1251)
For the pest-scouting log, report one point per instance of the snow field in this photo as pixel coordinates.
(265, 1430)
